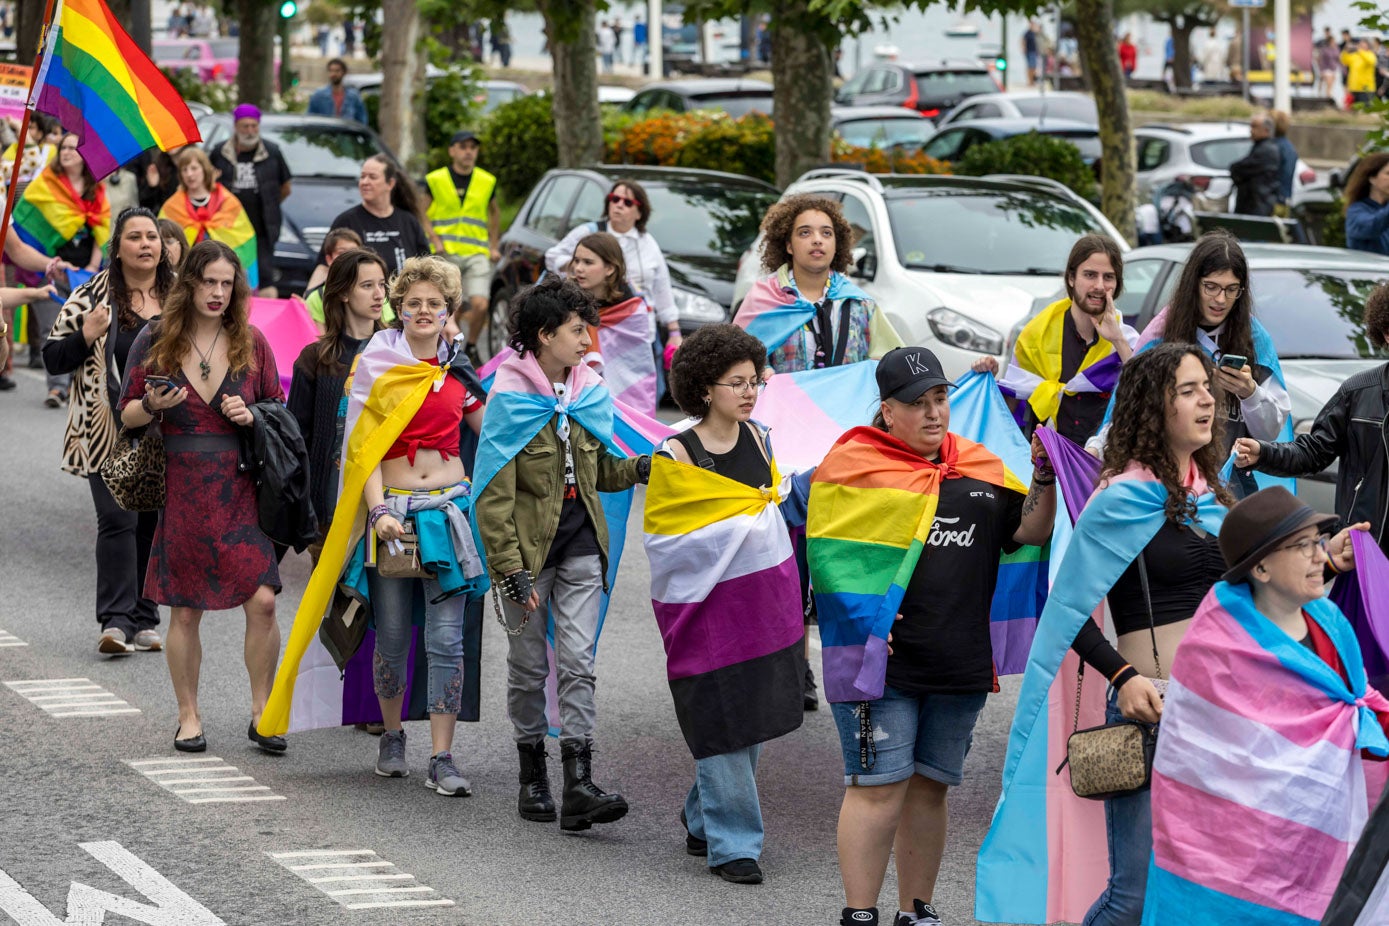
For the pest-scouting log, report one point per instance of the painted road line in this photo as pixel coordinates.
(204, 780)
(9, 639)
(70, 697)
(358, 879)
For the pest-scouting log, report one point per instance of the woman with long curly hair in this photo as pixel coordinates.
(1367, 205)
(197, 373)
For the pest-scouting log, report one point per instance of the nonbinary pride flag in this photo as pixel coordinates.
(105, 90)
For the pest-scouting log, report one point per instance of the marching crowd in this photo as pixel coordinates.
(419, 479)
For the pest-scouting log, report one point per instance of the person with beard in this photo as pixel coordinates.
(1067, 359)
(336, 99)
(255, 170)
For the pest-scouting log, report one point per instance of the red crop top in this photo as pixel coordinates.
(435, 426)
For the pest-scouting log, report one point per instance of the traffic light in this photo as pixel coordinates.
(1000, 63)
(289, 9)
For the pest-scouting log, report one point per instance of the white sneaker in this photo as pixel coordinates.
(113, 643)
(148, 641)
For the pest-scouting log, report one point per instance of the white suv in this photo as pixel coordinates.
(954, 262)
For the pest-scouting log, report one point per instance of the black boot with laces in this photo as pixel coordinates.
(535, 802)
(584, 803)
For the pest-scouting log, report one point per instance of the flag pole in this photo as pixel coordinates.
(24, 126)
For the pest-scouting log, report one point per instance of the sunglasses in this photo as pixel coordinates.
(623, 200)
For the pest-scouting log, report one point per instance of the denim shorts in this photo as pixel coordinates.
(927, 735)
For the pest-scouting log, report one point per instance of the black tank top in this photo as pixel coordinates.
(744, 463)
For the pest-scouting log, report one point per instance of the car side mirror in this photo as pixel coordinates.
(864, 263)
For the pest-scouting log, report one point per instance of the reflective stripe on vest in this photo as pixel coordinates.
(461, 226)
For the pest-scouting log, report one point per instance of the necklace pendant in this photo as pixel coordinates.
(206, 368)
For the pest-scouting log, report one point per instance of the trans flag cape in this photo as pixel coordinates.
(1035, 372)
(726, 593)
(388, 388)
(872, 505)
(621, 353)
(1259, 788)
(774, 309)
(51, 213)
(809, 409)
(1044, 858)
(222, 219)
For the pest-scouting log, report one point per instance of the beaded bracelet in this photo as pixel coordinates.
(145, 405)
(376, 514)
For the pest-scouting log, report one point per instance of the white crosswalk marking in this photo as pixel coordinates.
(204, 780)
(355, 879)
(71, 697)
(9, 639)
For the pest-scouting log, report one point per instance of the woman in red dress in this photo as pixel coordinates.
(196, 372)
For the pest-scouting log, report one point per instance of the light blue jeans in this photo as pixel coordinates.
(722, 805)
(1128, 825)
(392, 605)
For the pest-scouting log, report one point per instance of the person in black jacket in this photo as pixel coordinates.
(1256, 174)
(255, 170)
(1352, 428)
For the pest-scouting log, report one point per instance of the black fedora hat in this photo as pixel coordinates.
(1259, 523)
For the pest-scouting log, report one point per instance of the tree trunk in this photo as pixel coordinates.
(1100, 54)
(1181, 51)
(400, 65)
(803, 82)
(570, 29)
(255, 77)
(28, 25)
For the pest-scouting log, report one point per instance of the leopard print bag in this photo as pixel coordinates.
(134, 472)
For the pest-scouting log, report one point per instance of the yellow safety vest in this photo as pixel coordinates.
(462, 226)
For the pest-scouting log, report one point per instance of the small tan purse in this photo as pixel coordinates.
(401, 559)
(134, 470)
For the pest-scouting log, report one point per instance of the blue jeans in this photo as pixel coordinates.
(1128, 825)
(392, 606)
(722, 805)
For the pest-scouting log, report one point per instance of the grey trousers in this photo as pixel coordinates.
(45, 314)
(573, 590)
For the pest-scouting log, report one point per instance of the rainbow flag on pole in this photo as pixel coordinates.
(105, 90)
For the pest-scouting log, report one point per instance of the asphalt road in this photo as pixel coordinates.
(69, 781)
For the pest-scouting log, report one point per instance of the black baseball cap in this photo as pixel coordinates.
(464, 135)
(905, 373)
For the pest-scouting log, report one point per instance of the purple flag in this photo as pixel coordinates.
(1077, 471)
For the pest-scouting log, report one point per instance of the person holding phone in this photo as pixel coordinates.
(91, 340)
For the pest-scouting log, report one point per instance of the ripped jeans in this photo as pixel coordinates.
(393, 606)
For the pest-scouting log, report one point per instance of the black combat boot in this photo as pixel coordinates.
(535, 802)
(584, 803)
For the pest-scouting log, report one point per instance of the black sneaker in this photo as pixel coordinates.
(809, 692)
(925, 916)
(739, 871)
(6, 384)
(693, 844)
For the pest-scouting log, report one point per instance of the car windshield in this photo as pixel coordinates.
(990, 231)
(1087, 142)
(1220, 154)
(886, 133)
(1081, 109)
(735, 104)
(1316, 314)
(225, 48)
(700, 218)
(954, 83)
(323, 151)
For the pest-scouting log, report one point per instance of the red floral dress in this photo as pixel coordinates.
(209, 551)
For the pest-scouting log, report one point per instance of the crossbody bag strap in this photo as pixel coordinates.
(1148, 603)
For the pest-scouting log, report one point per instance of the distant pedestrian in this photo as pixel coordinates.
(257, 173)
(764, 41)
(1031, 51)
(1256, 174)
(1128, 55)
(1234, 58)
(607, 46)
(338, 99)
(349, 39)
(1287, 159)
(322, 39)
(1328, 63)
(1367, 205)
(1361, 71)
(617, 29)
(501, 40)
(1213, 58)
(639, 42)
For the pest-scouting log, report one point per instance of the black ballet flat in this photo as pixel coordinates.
(191, 744)
(271, 744)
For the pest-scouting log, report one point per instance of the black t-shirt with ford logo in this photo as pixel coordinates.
(942, 642)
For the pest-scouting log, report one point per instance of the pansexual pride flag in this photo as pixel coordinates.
(223, 219)
(103, 89)
(51, 213)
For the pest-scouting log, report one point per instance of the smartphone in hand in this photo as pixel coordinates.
(1234, 361)
(162, 383)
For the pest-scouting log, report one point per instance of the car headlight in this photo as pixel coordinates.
(956, 330)
(695, 307)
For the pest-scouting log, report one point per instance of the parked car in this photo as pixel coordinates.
(490, 93)
(1025, 104)
(1202, 152)
(1310, 299)
(882, 127)
(213, 59)
(953, 140)
(325, 156)
(615, 95)
(954, 262)
(737, 97)
(703, 220)
(931, 89)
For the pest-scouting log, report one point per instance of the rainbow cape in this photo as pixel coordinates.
(105, 90)
(1044, 858)
(1035, 371)
(51, 213)
(726, 593)
(872, 505)
(222, 219)
(621, 352)
(1259, 788)
(388, 389)
(774, 309)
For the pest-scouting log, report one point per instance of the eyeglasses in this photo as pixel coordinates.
(623, 200)
(743, 386)
(1213, 289)
(1308, 546)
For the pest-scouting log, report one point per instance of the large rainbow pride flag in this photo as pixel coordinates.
(105, 90)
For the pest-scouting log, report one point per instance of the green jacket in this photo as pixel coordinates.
(518, 512)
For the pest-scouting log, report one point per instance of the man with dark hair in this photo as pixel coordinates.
(1066, 360)
(1256, 174)
(1353, 428)
(337, 99)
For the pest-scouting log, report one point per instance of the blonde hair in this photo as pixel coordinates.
(437, 271)
(194, 153)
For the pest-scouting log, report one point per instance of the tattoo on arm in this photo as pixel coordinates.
(1029, 504)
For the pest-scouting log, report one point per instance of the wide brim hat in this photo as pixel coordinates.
(1259, 523)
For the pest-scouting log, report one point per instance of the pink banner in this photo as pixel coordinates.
(287, 326)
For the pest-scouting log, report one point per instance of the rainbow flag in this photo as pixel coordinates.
(51, 213)
(1259, 787)
(105, 90)
(223, 219)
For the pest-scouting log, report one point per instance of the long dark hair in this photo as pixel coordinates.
(1214, 252)
(1139, 429)
(119, 292)
(403, 195)
(342, 277)
(175, 339)
(1358, 186)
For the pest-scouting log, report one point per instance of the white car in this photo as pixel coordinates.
(1025, 104)
(954, 262)
(1203, 153)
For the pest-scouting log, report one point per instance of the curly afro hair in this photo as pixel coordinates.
(1377, 316)
(780, 221)
(544, 307)
(1139, 430)
(703, 359)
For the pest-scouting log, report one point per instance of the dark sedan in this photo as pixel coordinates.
(702, 219)
(930, 89)
(325, 156)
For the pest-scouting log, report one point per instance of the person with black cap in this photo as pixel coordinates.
(905, 734)
(465, 226)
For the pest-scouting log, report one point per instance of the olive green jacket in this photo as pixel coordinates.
(518, 512)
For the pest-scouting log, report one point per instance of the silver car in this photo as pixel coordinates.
(1025, 104)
